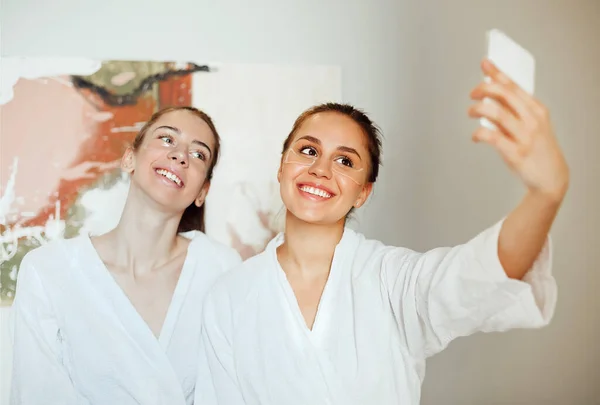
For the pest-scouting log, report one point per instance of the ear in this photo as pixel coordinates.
(128, 161)
(279, 173)
(364, 195)
(203, 193)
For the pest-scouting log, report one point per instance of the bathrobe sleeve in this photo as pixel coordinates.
(38, 374)
(447, 293)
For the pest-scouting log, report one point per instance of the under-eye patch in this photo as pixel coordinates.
(308, 156)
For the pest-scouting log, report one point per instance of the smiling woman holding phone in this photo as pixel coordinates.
(327, 316)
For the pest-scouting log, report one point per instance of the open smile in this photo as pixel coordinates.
(172, 177)
(315, 192)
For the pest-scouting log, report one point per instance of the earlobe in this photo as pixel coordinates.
(364, 195)
(127, 161)
(199, 200)
(202, 196)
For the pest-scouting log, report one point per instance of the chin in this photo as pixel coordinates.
(315, 217)
(313, 212)
(167, 200)
(170, 205)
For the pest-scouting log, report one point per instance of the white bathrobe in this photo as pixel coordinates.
(79, 340)
(383, 311)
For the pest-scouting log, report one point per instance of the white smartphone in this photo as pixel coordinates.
(513, 60)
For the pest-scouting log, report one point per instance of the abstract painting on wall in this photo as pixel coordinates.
(65, 123)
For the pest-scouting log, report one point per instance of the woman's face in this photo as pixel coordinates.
(325, 170)
(172, 163)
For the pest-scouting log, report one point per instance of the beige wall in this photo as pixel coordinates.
(560, 364)
(411, 64)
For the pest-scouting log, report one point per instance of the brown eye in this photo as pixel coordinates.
(345, 161)
(308, 150)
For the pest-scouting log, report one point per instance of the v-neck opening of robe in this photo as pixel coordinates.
(324, 306)
(181, 288)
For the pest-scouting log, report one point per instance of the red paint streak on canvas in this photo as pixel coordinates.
(176, 90)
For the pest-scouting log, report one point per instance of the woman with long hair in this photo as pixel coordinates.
(115, 318)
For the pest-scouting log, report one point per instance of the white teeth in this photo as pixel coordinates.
(315, 191)
(169, 176)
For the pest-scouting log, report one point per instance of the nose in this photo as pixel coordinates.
(321, 168)
(179, 156)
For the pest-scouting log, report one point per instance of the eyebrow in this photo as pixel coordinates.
(178, 132)
(340, 148)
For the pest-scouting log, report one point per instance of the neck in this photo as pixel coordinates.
(145, 236)
(309, 247)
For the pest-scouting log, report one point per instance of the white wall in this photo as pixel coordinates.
(411, 64)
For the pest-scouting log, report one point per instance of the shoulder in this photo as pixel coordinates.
(245, 274)
(209, 248)
(363, 244)
(54, 252)
(48, 263)
(369, 248)
(371, 254)
(235, 287)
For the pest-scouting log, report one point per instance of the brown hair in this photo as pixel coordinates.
(371, 131)
(193, 216)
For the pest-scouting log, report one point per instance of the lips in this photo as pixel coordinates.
(315, 191)
(169, 175)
